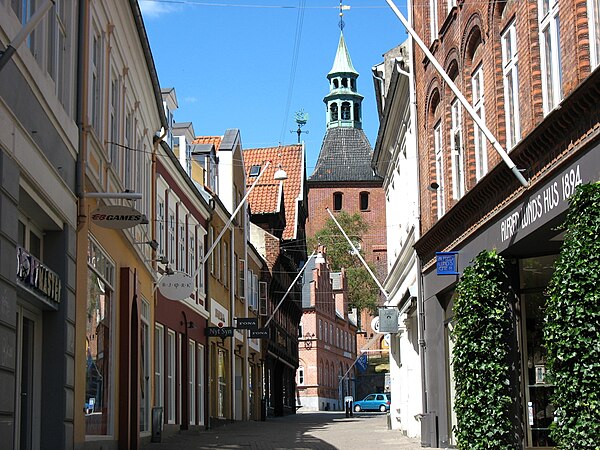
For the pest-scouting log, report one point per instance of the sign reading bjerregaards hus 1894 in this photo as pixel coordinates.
(116, 217)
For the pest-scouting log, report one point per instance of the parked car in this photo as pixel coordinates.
(373, 402)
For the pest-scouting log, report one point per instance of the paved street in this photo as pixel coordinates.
(322, 431)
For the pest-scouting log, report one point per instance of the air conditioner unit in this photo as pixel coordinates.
(262, 298)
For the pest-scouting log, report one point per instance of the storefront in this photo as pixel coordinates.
(525, 232)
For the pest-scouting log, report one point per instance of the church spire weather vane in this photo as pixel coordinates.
(343, 8)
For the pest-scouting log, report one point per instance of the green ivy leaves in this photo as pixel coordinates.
(572, 326)
(483, 371)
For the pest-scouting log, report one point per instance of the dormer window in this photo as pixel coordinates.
(254, 171)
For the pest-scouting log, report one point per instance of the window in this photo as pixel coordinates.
(99, 342)
(300, 375)
(160, 225)
(159, 365)
(337, 201)
(30, 238)
(364, 201)
(171, 250)
(128, 171)
(96, 81)
(211, 238)
(594, 25)
(320, 329)
(439, 168)
(254, 171)
(57, 63)
(171, 380)
(145, 366)
(242, 278)
(334, 112)
(478, 106)
(192, 380)
(510, 81)
(356, 112)
(550, 53)
(181, 236)
(225, 259)
(300, 328)
(113, 125)
(456, 148)
(262, 298)
(433, 20)
(346, 111)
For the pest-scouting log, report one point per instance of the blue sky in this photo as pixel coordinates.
(232, 62)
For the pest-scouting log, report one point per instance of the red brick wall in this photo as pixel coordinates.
(375, 240)
(453, 45)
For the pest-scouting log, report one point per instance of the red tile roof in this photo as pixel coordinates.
(216, 140)
(264, 198)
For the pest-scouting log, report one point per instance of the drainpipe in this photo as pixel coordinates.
(81, 116)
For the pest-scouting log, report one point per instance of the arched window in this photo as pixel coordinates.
(364, 201)
(356, 111)
(353, 84)
(334, 111)
(337, 201)
(345, 82)
(346, 111)
(336, 83)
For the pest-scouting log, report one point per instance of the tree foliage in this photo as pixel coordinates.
(572, 327)
(483, 370)
(362, 290)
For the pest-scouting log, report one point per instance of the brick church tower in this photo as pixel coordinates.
(343, 179)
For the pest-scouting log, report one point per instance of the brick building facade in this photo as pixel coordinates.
(529, 69)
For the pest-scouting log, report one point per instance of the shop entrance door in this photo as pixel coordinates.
(28, 379)
(538, 409)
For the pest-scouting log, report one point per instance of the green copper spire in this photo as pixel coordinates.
(342, 62)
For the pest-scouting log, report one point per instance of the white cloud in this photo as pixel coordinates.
(153, 9)
(190, 99)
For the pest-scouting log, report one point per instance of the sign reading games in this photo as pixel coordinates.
(117, 217)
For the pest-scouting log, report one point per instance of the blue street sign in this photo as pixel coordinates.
(446, 263)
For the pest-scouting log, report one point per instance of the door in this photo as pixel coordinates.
(28, 380)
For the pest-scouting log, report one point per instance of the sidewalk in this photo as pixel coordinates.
(310, 431)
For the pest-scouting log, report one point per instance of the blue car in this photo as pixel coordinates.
(373, 402)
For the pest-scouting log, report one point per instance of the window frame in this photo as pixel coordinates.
(439, 168)
(457, 150)
(480, 144)
(550, 53)
(510, 82)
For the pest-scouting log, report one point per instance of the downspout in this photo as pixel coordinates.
(81, 116)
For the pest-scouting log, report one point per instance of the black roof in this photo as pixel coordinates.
(345, 156)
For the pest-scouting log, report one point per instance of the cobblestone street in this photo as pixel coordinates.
(323, 431)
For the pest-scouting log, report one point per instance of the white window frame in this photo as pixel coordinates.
(439, 168)
(182, 235)
(481, 160)
(457, 151)
(434, 23)
(114, 124)
(510, 80)
(551, 63)
(159, 365)
(594, 32)
(200, 384)
(96, 79)
(171, 233)
(192, 374)
(171, 375)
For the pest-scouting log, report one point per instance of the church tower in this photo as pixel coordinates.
(343, 179)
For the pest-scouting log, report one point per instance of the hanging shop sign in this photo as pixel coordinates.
(246, 323)
(261, 333)
(222, 332)
(388, 320)
(117, 217)
(176, 286)
(446, 263)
